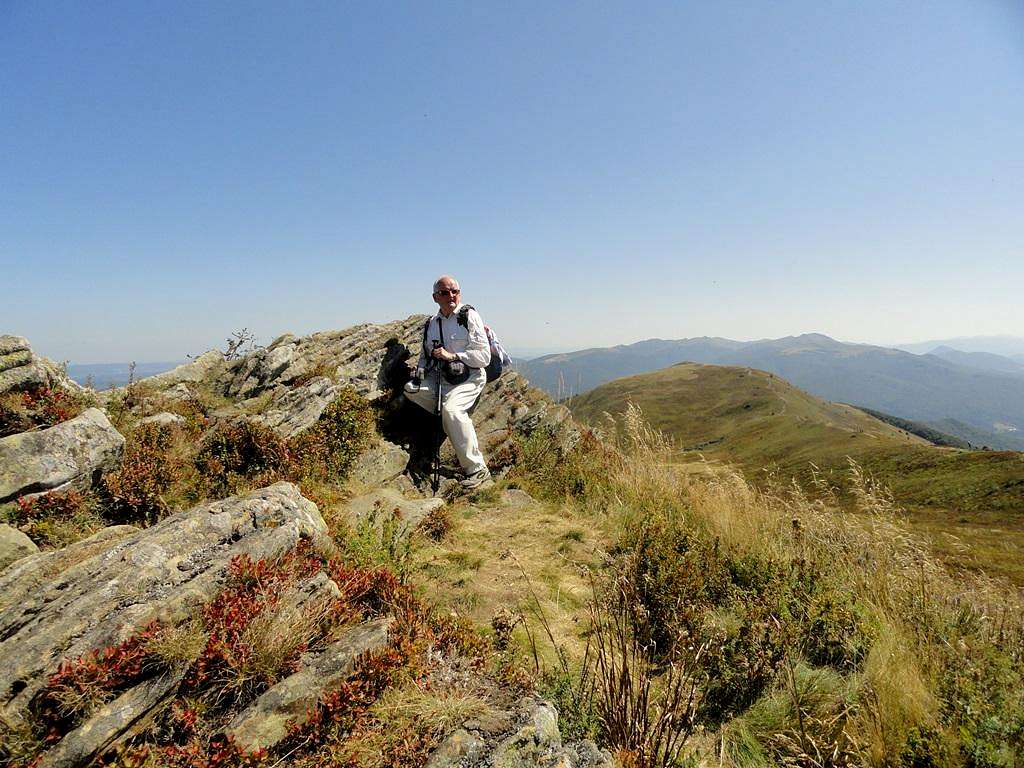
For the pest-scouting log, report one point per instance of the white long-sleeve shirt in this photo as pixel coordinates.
(469, 344)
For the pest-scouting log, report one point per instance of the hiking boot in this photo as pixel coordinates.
(477, 479)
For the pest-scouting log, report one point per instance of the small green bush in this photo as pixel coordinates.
(327, 449)
(236, 455)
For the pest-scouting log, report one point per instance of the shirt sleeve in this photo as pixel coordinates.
(478, 350)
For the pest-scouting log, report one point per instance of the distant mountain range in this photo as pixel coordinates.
(985, 360)
(927, 388)
(1008, 346)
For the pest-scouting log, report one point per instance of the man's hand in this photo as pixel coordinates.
(443, 354)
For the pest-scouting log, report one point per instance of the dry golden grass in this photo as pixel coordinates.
(911, 606)
(531, 558)
(180, 645)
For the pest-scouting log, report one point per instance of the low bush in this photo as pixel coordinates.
(327, 449)
(151, 465)
(58, 518)
(238, 455)
(40, 407)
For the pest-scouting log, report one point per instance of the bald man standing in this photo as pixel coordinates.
(461, 351)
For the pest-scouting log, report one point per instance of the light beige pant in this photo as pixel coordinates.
(454, 417)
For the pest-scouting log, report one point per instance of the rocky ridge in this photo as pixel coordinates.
(57, 605)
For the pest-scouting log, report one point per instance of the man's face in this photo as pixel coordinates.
(447, 296)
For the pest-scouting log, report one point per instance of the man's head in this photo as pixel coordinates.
(447, 294)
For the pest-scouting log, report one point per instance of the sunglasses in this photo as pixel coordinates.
(449, 292)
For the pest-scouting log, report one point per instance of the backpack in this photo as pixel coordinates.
(499, 357)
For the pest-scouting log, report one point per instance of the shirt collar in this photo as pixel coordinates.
(455, 312)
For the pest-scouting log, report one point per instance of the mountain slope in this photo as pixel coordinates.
(758, 421)
(986, 361)
(922, 388)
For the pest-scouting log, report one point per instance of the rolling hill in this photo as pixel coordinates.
(969, 502)
(758, 421)
(923, 388)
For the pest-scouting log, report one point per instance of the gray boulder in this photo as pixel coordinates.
(365, 357)
(14, 545)
(295, 410)
(71, 454)
(165, 419)
(105, 726)
(21, 369)
(200, 369)
(102, 590)
(381, 463)
(383, 504)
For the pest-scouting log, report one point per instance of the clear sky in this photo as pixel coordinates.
(594, 173)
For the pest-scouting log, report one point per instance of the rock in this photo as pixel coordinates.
(460, 745)
(537, 742)
(266, 722)
(164, 419)
(300, 408)
(14, 545)
(102, 590)
(516, 497)
(367, 357)
(21, 369)
(200, 369)
(102, 729)
(12, 344)
(382, 463)
(382, 503)
(491, 723)
(180, 391)
(591, 756)
(73, 453)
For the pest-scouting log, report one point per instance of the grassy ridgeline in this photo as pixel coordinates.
(971, 503)
(817, 637)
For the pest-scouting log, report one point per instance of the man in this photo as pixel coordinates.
(449, 345)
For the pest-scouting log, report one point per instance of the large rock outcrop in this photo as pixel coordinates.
(101, 590)
(21, 369)
(365, 357)
(71, 454)
(295, 410)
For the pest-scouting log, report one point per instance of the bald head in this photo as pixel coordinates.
(446, 294)
(445, 281)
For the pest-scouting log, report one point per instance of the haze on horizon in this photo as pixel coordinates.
(593, 177)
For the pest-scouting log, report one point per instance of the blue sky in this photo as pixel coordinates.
(594, 173)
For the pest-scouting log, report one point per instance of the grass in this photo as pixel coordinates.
(773, 431)
(828, 638)
(493, 556)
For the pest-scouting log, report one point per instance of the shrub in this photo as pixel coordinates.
(645, 700)
(150, 466)
(551, 471)
(58, 518)
(236, 455)
(327, 449)
(40, 407)
(80, 685)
